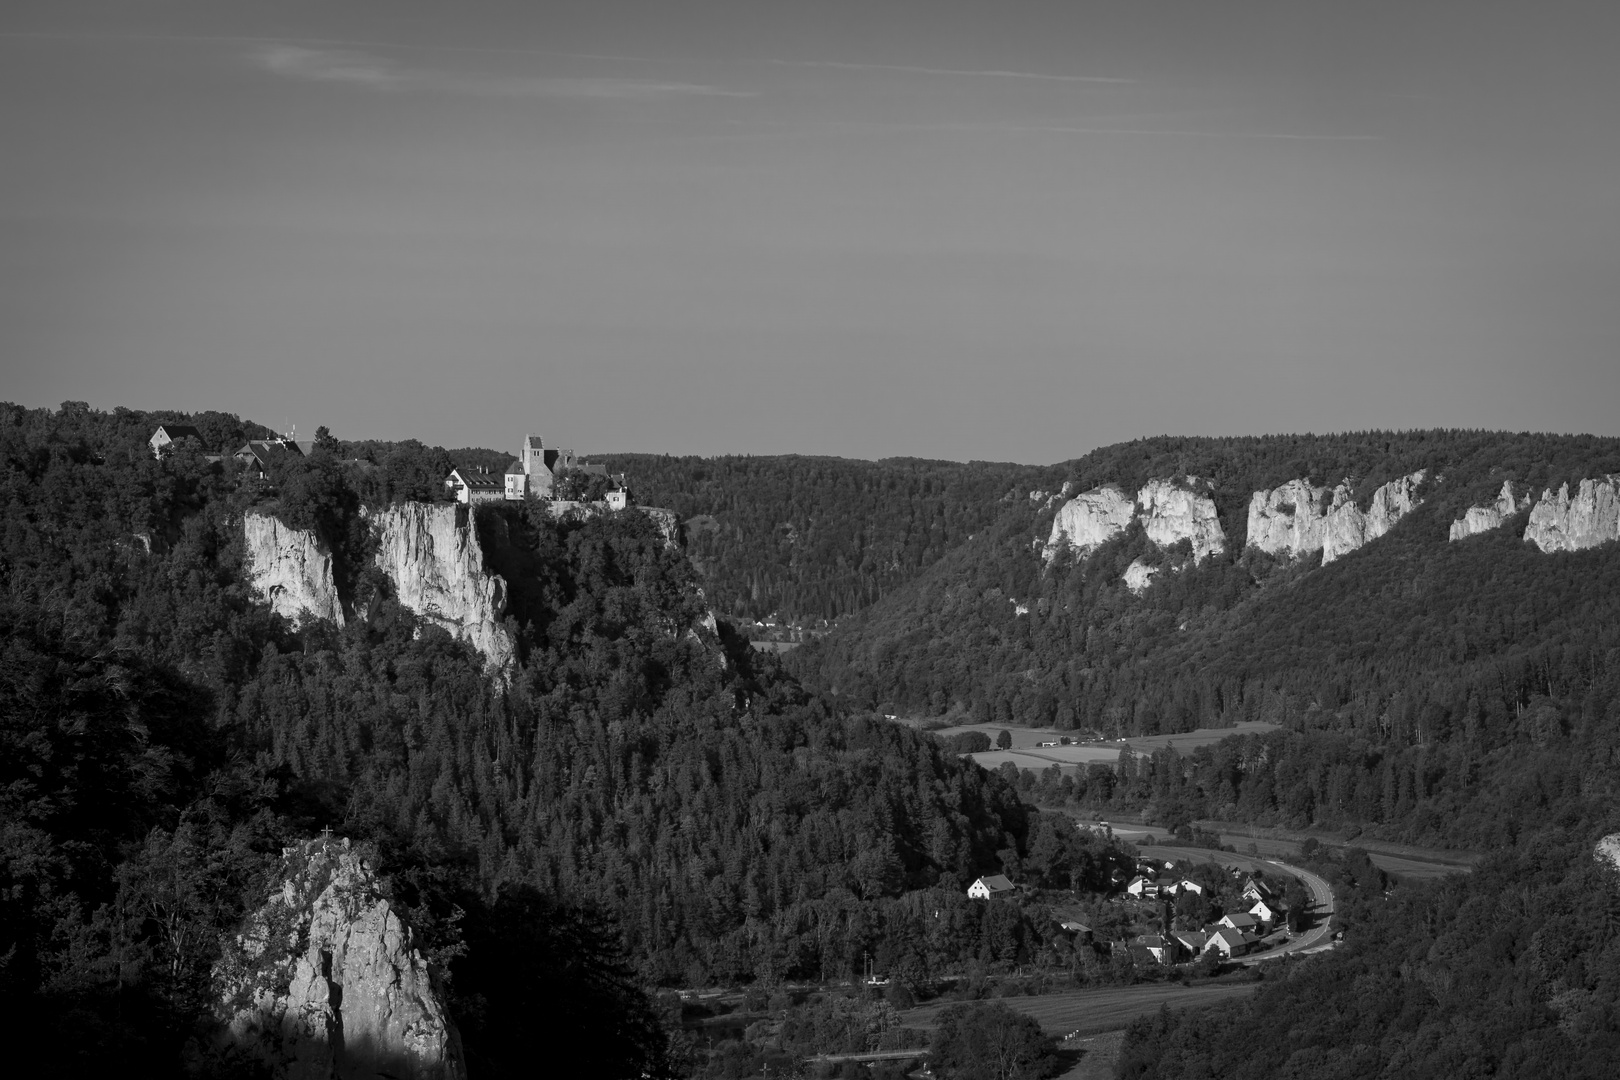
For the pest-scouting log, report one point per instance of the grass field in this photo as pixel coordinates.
(1027, 754)
(1093, 1011)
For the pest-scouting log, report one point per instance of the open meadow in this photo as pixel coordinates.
(1105, 1009)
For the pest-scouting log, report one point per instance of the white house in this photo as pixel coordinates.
(475, 486)
(1241, 921)
(1256, 889)
(618, 500)
(1229, 942)
(168, 433)
(990, 885)
(517, 482)
(1263, 911)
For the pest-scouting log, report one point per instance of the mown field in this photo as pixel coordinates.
(1093, 1011)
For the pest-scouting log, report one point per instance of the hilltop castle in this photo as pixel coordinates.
(532, 474)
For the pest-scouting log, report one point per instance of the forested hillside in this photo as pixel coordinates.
(1407, 667)
(165, 735)
(812, 538)
(1511, 971)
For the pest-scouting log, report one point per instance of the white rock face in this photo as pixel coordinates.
(325, 981)
(1290, 520)
(1349, 527)
(1608, 851)
(1171, 513)
(1564, 523)
(431, 552)
(1089, 520)
(291, 569)
(1480, 519)
(1138, 575)
(1298, 518)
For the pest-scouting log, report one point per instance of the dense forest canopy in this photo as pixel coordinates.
(644, 800)
(815, 538)
(642, 763)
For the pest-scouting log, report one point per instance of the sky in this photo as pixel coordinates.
(1011, 231)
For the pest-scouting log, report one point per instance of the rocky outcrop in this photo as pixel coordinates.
(1173, 511)
(1590, 517)
(1349, 527)
(1608, 851)
(431, 553)
(1139, 575)
(1299, 518)
(1089, 520)
(290, 568)
(326, 983)
(1290, 520)
(1480, 519)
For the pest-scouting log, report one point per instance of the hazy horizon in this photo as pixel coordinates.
(1013, 232)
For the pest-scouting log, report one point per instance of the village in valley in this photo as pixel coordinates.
(1176, 911)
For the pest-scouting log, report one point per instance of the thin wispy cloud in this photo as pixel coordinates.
(991, 73)
(377, 73)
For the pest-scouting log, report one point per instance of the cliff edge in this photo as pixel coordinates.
(1590, 517)
(430, 551)
(291, 569)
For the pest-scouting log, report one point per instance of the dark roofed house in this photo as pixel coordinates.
(1229, 942)
(172, 433)
(476, 485)
(990, 885)
(260, 454)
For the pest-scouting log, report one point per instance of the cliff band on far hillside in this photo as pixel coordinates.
(1172, 510)
(1480, 519)
(325, 982)
(1589, 518)
(291, 568)
(1297, 518)
(1090, 520)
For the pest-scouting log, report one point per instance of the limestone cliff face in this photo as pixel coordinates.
(1480, 519)
(1139, 575)
(1608, 851)
(291, 569)
(1089, 520)
(431, 553)
(326, 983)
(1298, 518)
(1590, 517)
(1290, 520)
(1172, 512)
(1349, 527)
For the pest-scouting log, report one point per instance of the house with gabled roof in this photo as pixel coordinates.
(1191, 940)
(1241, 921)
(990, 885)
(473, 486)
(1229, 942)
(1257, 889)
(1164, 950)
(1267, 914)
(259, 454)
(172, 433)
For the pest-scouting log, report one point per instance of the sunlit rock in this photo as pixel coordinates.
(291, 569)
(1590, 517)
